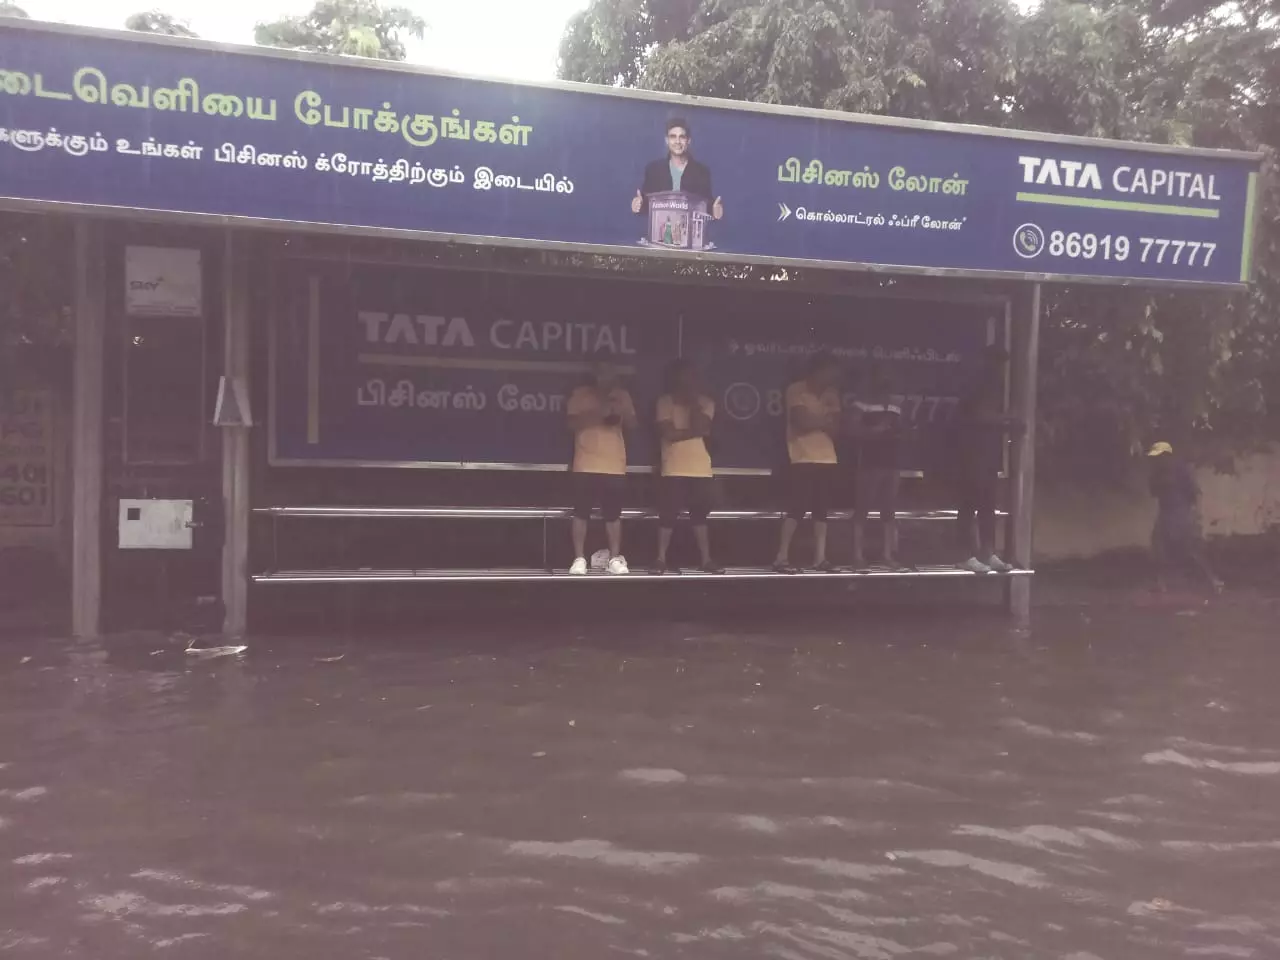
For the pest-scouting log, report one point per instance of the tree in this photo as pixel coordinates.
(8, 9)
(363, 28)
(155, 21)
(1192, 72)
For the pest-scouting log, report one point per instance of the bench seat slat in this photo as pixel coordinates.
(518, 575)
(548, 513)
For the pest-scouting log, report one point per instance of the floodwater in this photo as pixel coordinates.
(1104, 787)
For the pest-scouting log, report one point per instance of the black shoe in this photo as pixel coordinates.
(826, 566)
(783, 567)
(712, 567)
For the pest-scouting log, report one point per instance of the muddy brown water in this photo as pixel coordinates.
(1103, 787)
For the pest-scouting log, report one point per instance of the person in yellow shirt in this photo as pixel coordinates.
(813, 423)
(684, 423)
(599, 412)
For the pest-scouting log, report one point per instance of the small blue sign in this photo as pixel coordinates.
(123, 121)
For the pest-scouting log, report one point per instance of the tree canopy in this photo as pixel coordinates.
(362, 28)
(156, 21)
(1115, 363)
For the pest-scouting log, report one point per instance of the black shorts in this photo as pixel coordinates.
(677, 495)
(810, 487)
(1177, 533)
(876, 488)
(603, 490)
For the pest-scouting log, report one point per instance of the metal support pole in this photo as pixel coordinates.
(1026, 354)
(235, 443)
(90, 309)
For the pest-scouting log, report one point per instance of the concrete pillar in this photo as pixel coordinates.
(235, 440)
(90, 309)
(1022, 473)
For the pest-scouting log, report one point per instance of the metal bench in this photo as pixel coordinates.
(544, 515)
(522, 575)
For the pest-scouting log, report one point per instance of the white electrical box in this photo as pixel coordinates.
(155, 524)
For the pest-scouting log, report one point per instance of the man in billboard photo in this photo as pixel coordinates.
(678, 171)
(684, 418)
(599, 413)
(813, 424)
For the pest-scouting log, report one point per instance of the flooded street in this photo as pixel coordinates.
(1106, 787)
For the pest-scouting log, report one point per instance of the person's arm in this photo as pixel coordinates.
(625, 409)
(831, 418)
(700, 417)
(804, 420)
(855, 423)
(665, 419)
(584, 411)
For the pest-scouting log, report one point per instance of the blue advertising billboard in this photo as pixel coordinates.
(394, 366)
(107, 120)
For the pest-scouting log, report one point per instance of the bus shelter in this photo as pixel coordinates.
(303, 284)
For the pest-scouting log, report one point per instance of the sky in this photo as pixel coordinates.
(516, 39)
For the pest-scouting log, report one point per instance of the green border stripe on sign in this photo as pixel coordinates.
(1250, 216)
(1132, 206)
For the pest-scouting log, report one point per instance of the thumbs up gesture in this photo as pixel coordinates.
(637, 202)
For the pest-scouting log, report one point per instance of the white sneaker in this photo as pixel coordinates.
(618, 566)
(997, 565)
(579, 568)
(974, 565)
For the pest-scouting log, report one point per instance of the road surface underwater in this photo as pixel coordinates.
(1105, 786)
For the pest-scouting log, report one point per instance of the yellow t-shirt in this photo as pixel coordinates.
(602, 448)
(684, 458)
(815, 446)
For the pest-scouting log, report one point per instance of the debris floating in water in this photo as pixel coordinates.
(208, 653)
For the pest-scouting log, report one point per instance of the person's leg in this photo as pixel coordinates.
(700, 495)
(966, 513)
(612, 489)
(825, 477)
(798, 483)
(582, 504)
(986, 510)
(862, 498)
(819, 544)
(668, 513)
(789, 526)
(888, 500)
(702, 537)
(1193, 548)
(1200, 562)
(664, 545)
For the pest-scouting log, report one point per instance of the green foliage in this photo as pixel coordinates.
(361, 28)
(1116, 364)
(156, 21)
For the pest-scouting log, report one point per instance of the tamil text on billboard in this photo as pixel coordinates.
(101, 119)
